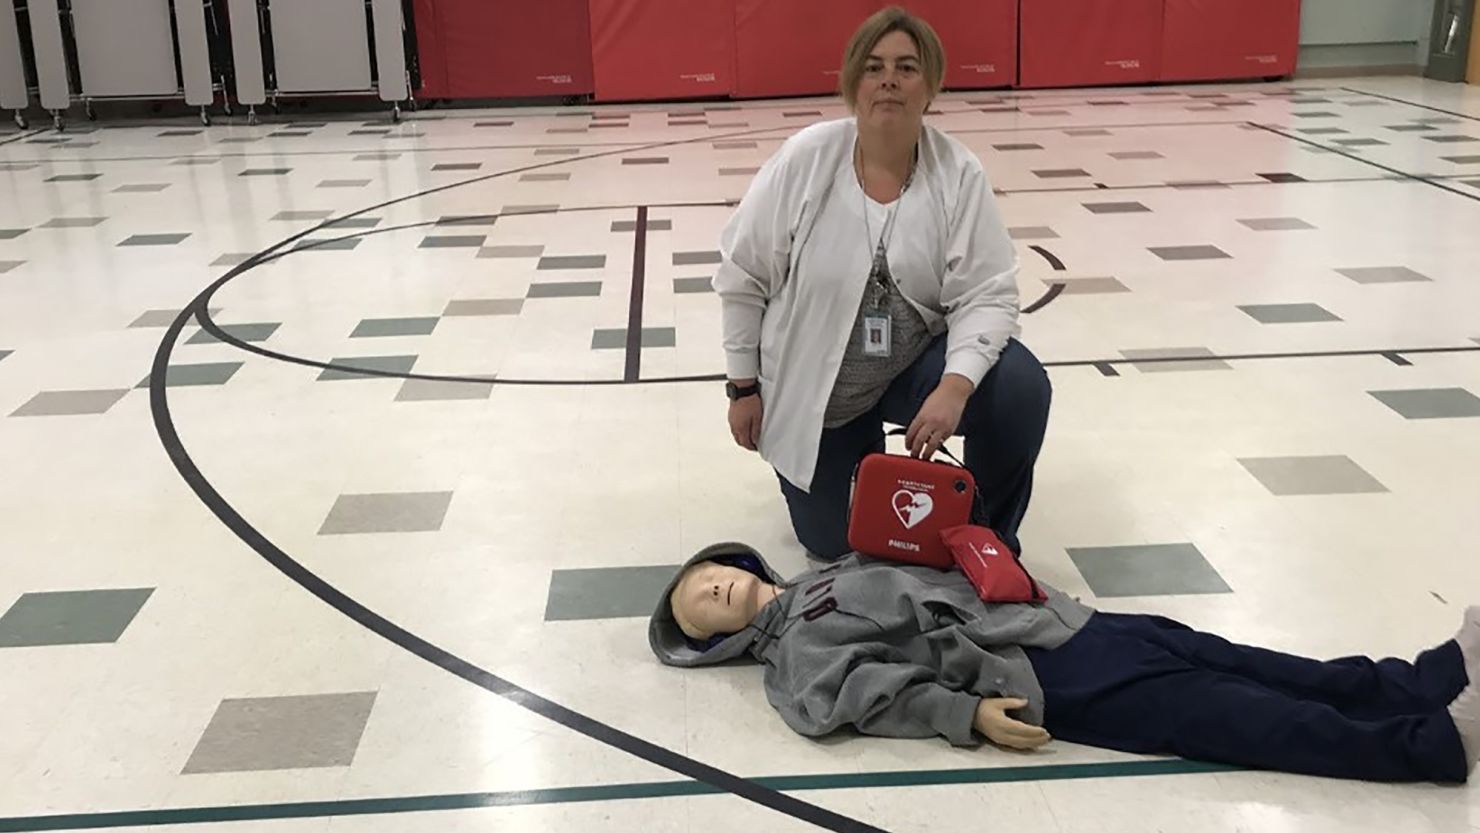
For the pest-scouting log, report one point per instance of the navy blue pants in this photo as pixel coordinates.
(1003, 424)
(1150, 685)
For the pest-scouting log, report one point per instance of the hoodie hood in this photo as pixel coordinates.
(669, 642)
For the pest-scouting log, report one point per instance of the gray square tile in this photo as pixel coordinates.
(1315, 475)
(562, 176)
(73, 178)
(644, 160)
(1147, 570)
(1189, 253)
(344, 183)
(279, 733)
(383, 156)
(552, 262)
(735, 145)
(289, 134)
(1116, 208)
(142, 188)
(77, 617)
(695, 258)
(266, 172)
(1283, 177)
(1061, 173)
(605, 593)
(387, 512)
(10, 265)
(1032, 233)
(692, 286)
(1091, 286)
(457, 166)
(493, 124)
(236, 259)
(388, 327)
(297, 216)
(156, 318)
(238, 140)
(12, 233)
(353, 222)
(4, 353)
(510, 251)
(1451, 140)
(195, 161)
(1315, 115)
(1081, 133)
(427, 390)
(751, 171)
(169, 133)
(371, 131)
(1130, 155)
(631, 225)
(154, 239)
(540, 208)
(1431, 403)
(617, 339)
(453, 241)
(343, 244)
(567, 130)
(1018, 146)
(1322, 131)
(571, 289)
(1276, 224)
(245, 332)
(197, 375)
(1462, 160)
(1383, 274)
(1289, 313)
(1437, 120)
(1193, 184)
(1186, 354)
(1053, 113)
(18, 166)
(557, 151)
(801, 114)
(74, 222)
(474, 307)
(467, 220)
(388, 364)
(1360, 143)
(70, 403)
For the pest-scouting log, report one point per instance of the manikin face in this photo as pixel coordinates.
(714, 598)
(893, 91)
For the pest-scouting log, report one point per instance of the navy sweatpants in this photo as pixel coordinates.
(1150, 685)
(1004, 423)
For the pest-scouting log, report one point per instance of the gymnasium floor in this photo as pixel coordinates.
(329, 577)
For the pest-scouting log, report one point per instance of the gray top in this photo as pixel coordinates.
(890, 649)
(862, 379)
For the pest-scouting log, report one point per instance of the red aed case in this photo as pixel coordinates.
(901, 505)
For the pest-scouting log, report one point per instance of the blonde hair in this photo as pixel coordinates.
(881, 23)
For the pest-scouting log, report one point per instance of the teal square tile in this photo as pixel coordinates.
(78, 617)
(1147, 570)
(606, 592)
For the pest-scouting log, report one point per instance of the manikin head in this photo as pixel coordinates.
(714, 598)
(893, 68)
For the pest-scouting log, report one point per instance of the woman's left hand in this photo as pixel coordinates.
(939, 417)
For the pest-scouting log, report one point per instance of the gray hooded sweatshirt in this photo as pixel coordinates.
(888, 648)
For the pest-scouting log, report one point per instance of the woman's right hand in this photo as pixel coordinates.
(745, 421)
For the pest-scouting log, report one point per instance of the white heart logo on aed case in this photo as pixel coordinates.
(912, 507)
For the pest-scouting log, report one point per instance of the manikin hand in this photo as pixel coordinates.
(992, 721)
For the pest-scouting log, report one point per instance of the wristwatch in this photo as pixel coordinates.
(735, 392)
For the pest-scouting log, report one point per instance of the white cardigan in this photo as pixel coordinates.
(796, 258)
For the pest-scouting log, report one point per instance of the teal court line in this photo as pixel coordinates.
(605, 792)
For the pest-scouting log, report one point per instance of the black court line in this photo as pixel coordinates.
(1436, 182)
(1413, 104)
(1053, 259)
(633, 368)
(213, 500)
(18, 137)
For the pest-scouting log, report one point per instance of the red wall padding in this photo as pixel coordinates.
(1068, 43)
(503, 48)
(980, 38)
(1206, 40)
(795, 47)
(645, 49)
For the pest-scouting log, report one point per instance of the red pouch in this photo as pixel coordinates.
(902, 504)
(992, 568)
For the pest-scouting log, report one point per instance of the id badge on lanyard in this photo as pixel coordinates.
(878, 326)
